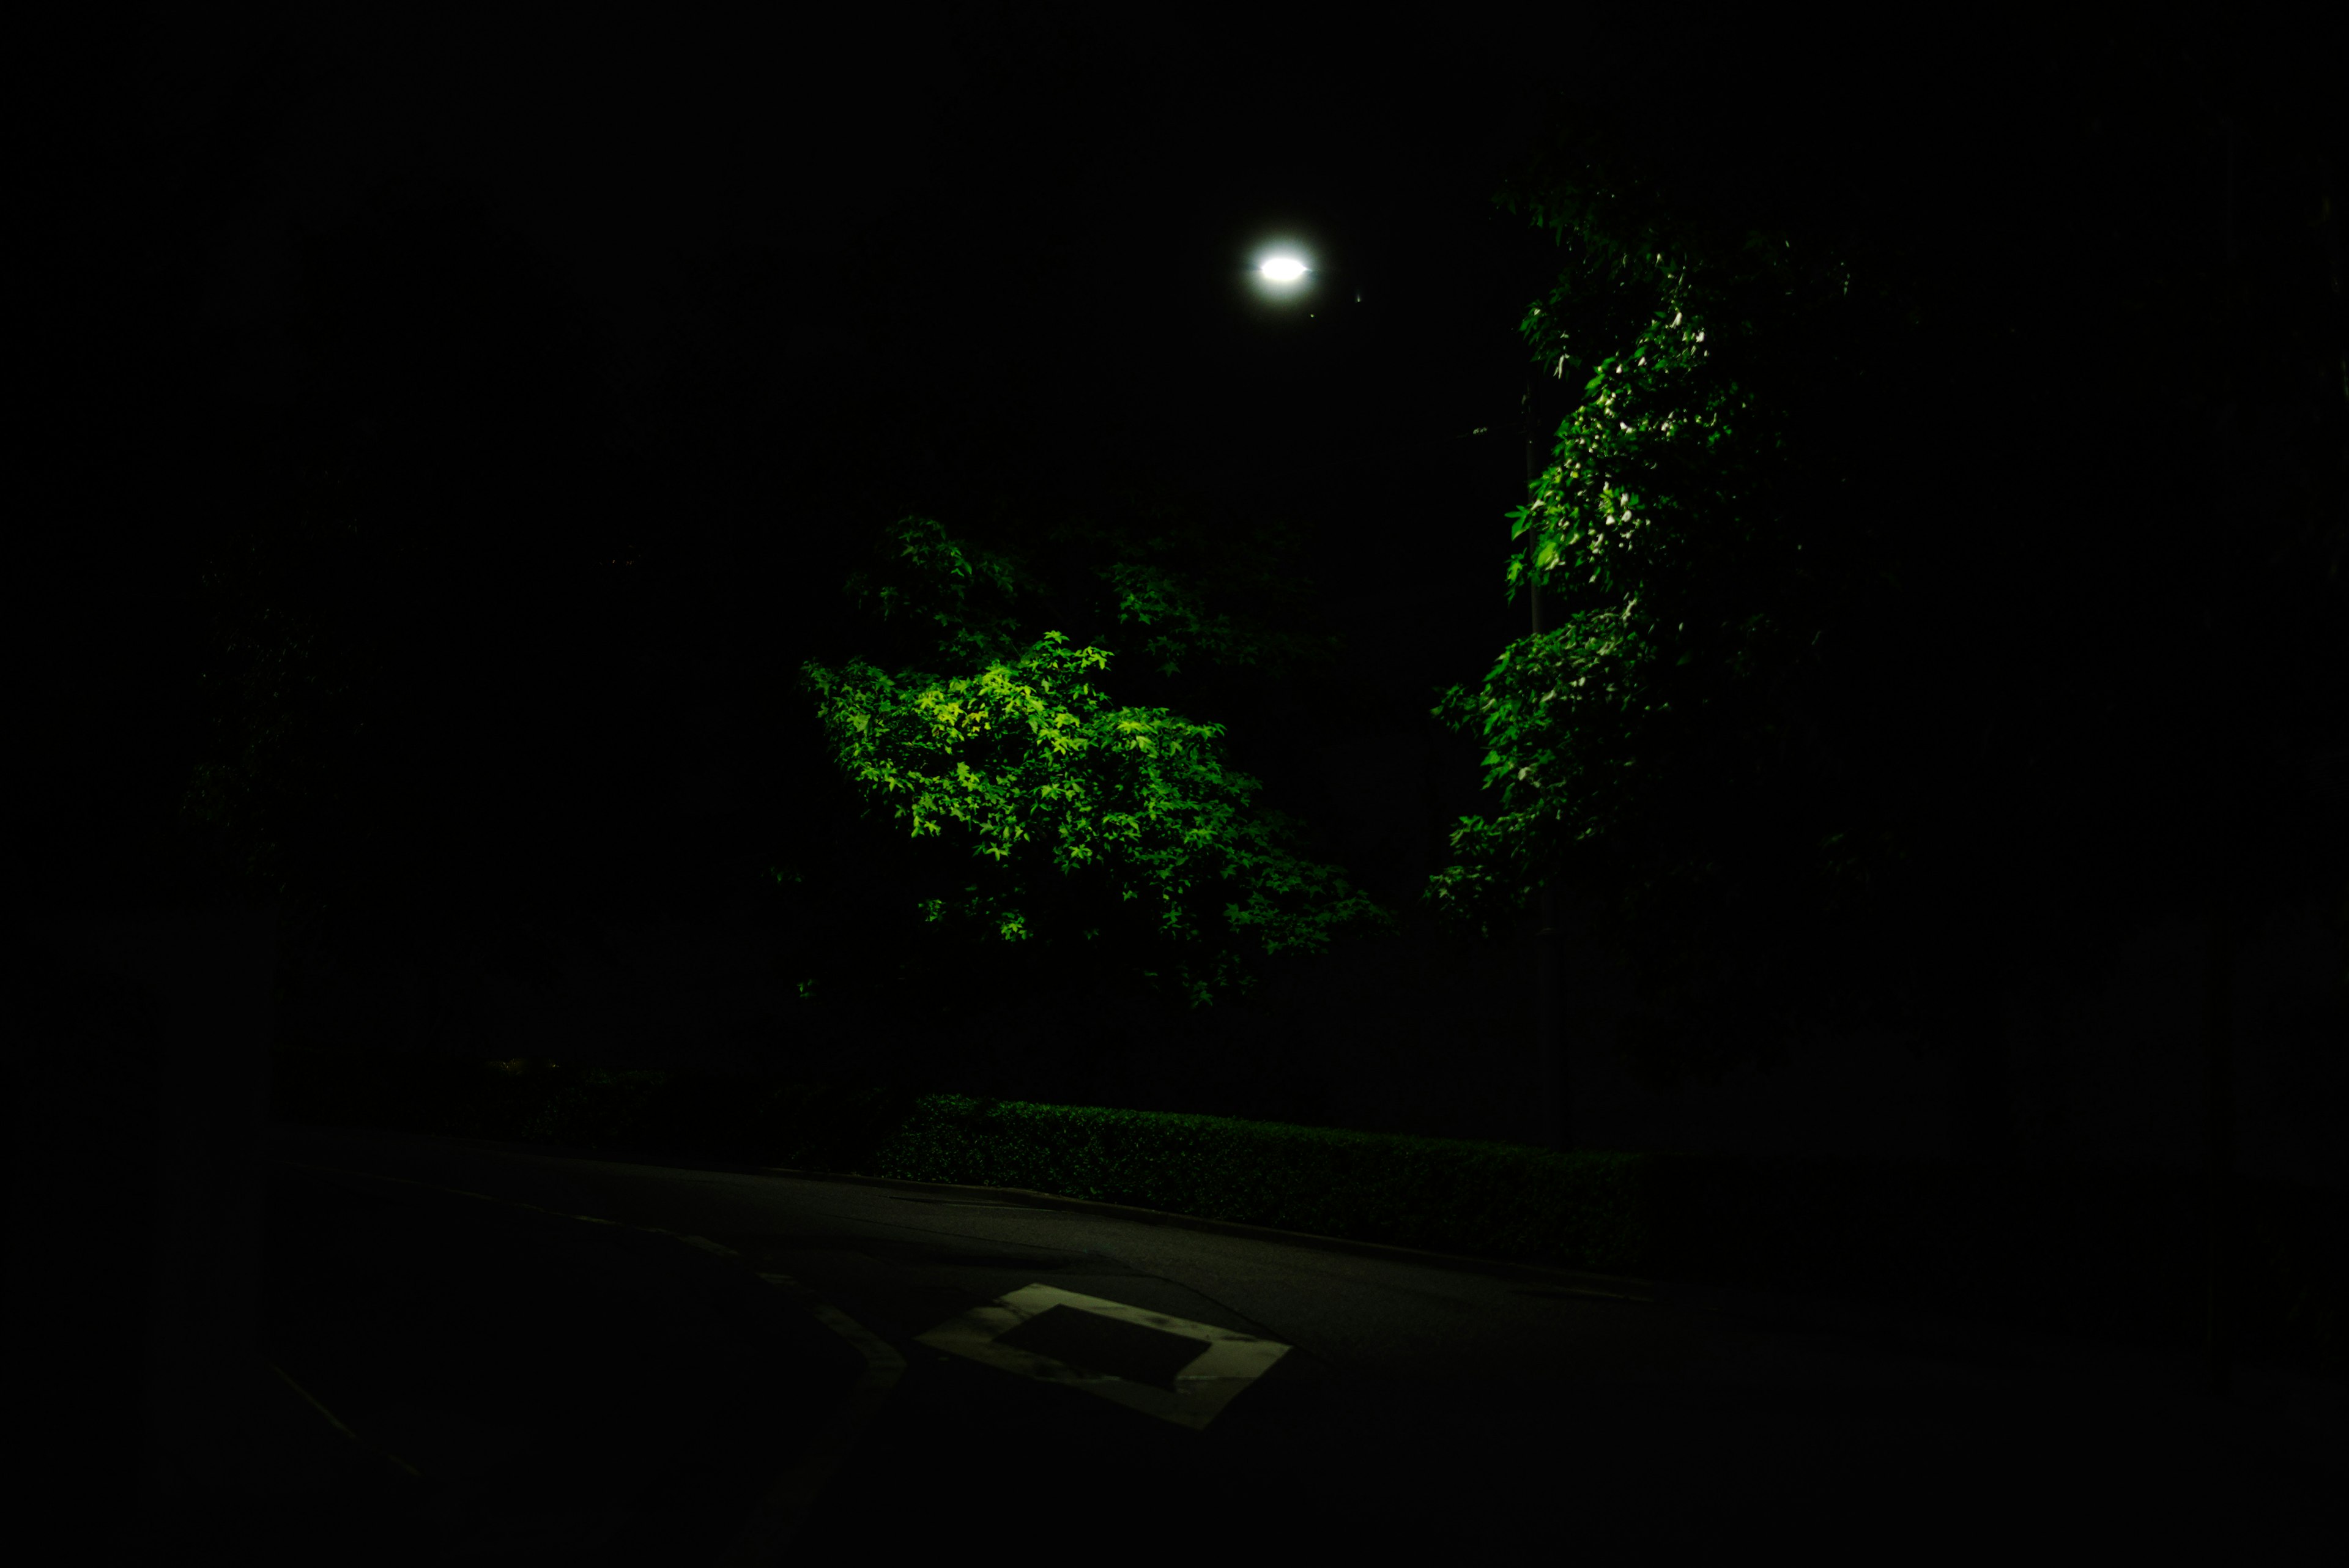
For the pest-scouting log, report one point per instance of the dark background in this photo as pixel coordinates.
(620, 337)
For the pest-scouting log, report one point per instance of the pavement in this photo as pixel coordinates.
(478, 1350)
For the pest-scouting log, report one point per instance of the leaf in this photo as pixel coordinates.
(1138, 802)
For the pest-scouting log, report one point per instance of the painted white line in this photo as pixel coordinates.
(335, 1421)
(766, 1537)
(1227, 1361)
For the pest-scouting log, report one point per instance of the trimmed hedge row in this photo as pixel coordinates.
(1580, 1211)
(2116, 1254)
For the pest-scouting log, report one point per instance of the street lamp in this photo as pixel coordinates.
(1285, 271)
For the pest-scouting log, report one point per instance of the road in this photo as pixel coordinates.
(1081, 1384)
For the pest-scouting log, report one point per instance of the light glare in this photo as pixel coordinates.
(1283, 269)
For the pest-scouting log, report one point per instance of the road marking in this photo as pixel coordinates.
(1227, 1361)
(766, 1536)
(335, 1421)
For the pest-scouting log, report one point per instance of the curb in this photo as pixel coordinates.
(1576, 1280)
(1778, 1309)
(1905, 1328)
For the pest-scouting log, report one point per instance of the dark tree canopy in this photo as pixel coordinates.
(1899, 609)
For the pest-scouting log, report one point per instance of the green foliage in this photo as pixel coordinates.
(1692, 539)
(1120, 833)
(1204, 591)
(1152, 596)
(1584, 1210)
(959, 595)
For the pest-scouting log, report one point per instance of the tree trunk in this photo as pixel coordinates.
(2230, 798)
(1557, 1120)
(2218, 1148)
(219, 970)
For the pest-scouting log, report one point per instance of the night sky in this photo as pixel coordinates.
(626, 333)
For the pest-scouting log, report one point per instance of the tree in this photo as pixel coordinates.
(2276, 403)
(2116, 694)
(1696, 538)
(408, 674)
(1099, 837)
(274, 688)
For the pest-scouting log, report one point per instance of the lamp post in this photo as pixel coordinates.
(1283, 272)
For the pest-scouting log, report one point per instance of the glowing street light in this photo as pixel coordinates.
(1282, 271)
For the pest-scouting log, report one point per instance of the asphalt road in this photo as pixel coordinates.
(969, 1373)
